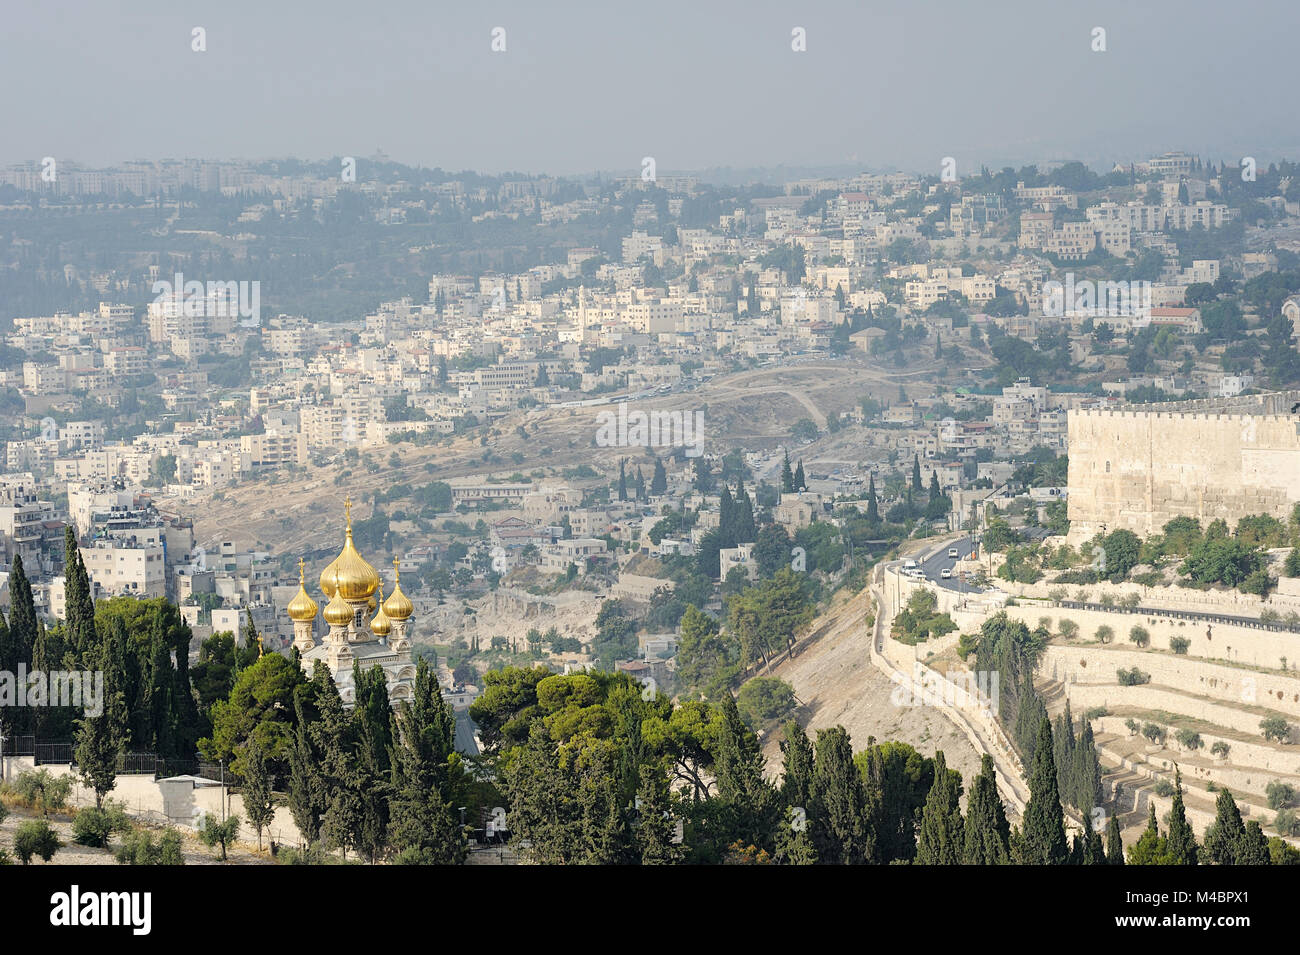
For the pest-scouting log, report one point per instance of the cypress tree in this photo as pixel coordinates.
(1114, 844)
(258, 801)
(940, 839)
(1224, 838)
(797, 759)
(1150, 847)
(986, 830)
(726, 518)
(794, 845)
(1181, 841)
(655, 823)
(1086, 777)
(841, 816)
(800, 482)
(306, 787)
(622, 479)
(787, 476)
(873, 507)
(80, 605)
(917, 486)
(743, 516)
(1063, 754)
(22, 635)
(1044, 823)
(659, 483)
(1254, 847)
(748, 800)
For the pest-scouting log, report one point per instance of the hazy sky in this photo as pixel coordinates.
(585, 86)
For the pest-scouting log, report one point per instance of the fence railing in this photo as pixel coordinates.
(62, 752)
(1252, 623)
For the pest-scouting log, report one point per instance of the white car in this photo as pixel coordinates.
(946, 573)
(952, 552)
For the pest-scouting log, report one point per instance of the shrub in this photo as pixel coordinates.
(1287, 822)
(35, 838)
(1133, 677)
(1094, 713)
(1220, 748)
(1140, 636)
(138, 848)
(1275, 729)
(92, 827)
(1180, 645)
(1164, 787)
(217, 834)
(1106, 600)
(1130, 601)
(764, 699)
(1280, 795)
(41, 791)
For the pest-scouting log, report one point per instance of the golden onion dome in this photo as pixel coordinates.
(398, 606)
(302, 607)
(349, 574)
(338, 612)
(380, 625)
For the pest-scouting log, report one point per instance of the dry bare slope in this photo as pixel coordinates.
(836, 683)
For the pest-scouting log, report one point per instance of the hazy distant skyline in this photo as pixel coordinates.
(590, 86)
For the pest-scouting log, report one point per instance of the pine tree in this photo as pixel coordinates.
(659, 483)
(1044, 823)
(940, 839)
(986, 830)
(1181, 841)
(873, 507)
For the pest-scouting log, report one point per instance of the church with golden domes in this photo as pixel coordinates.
(354, 592)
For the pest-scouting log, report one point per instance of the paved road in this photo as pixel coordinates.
(934, 561)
